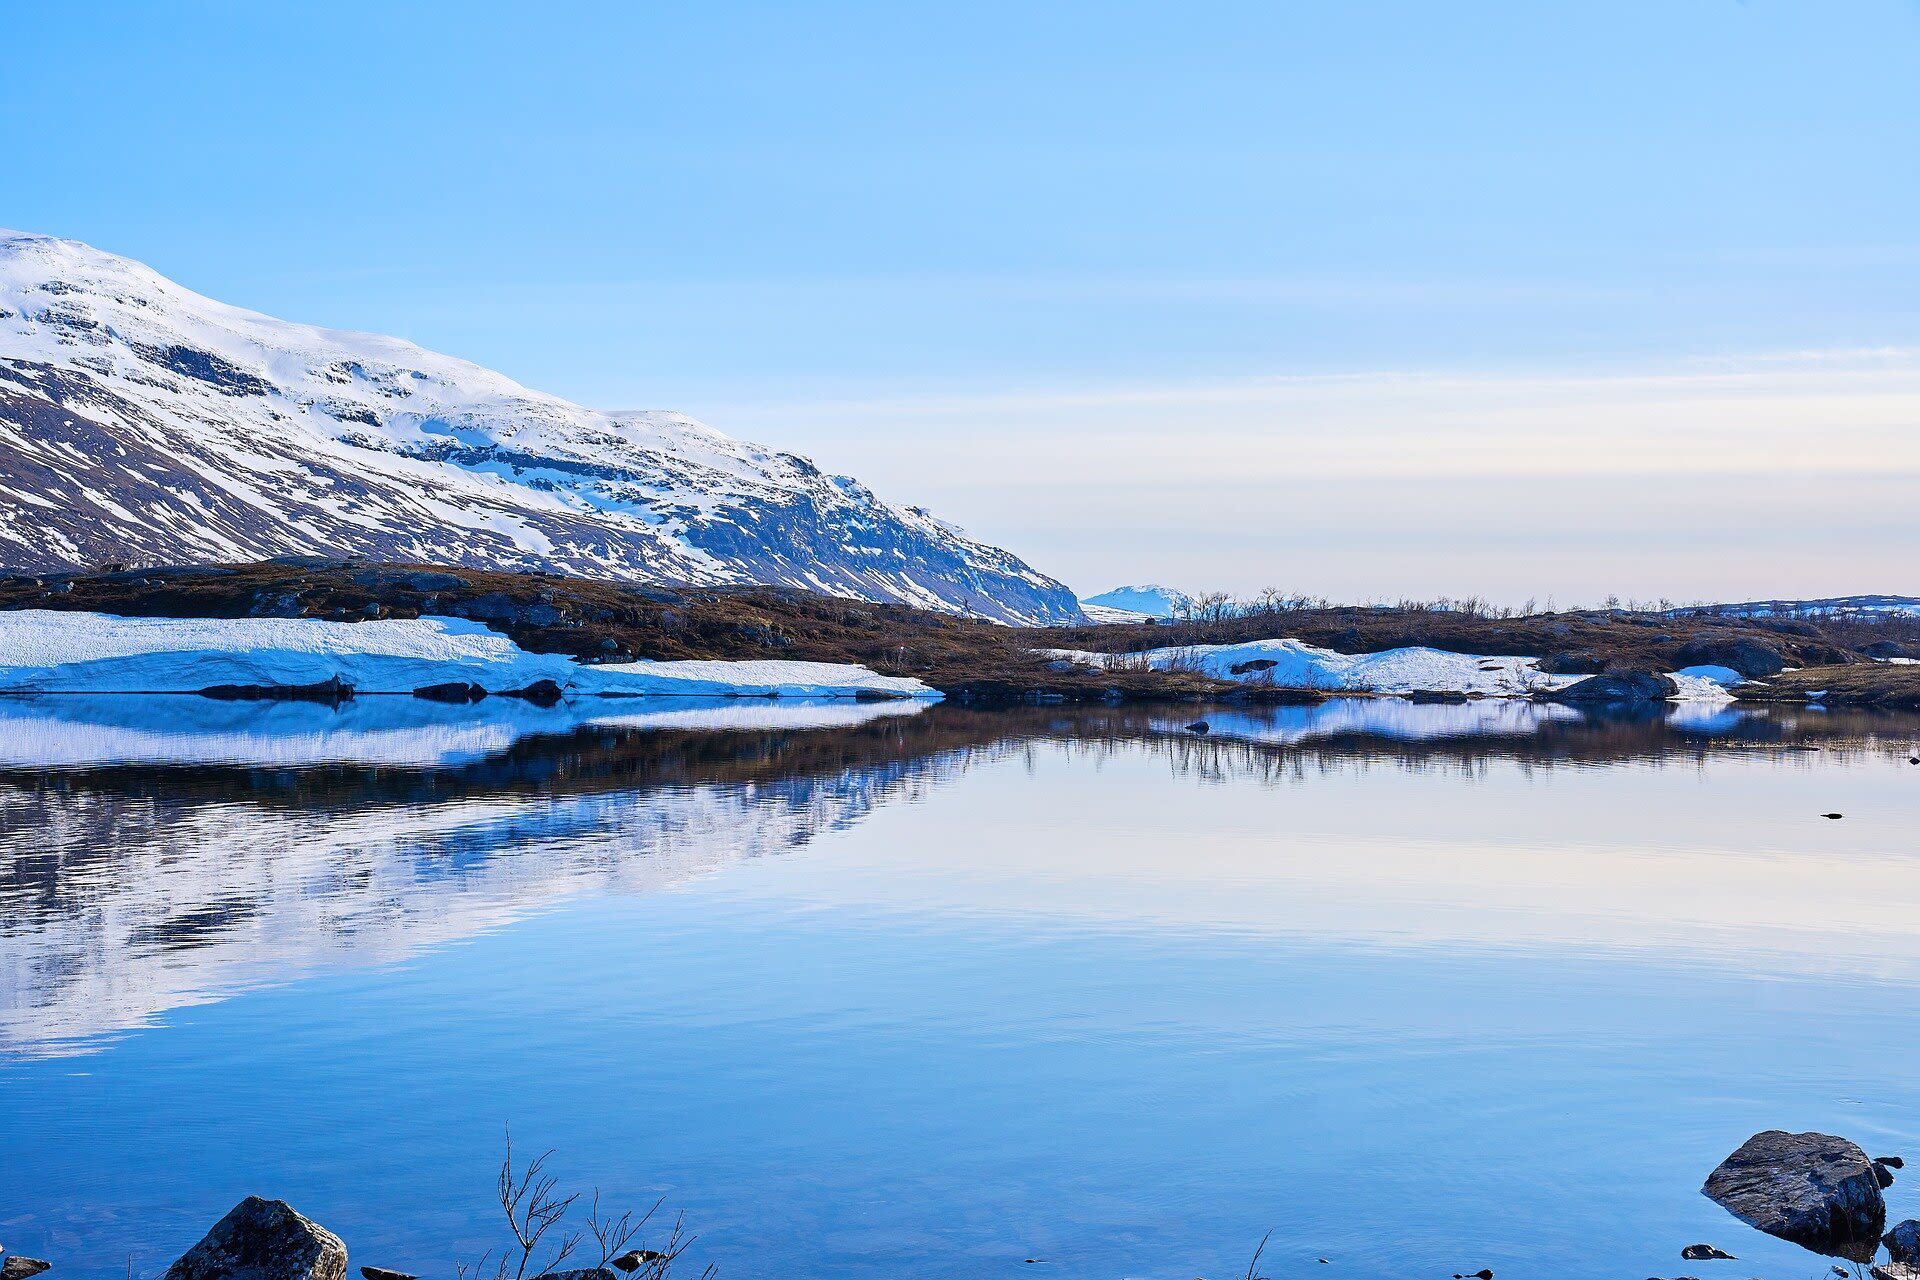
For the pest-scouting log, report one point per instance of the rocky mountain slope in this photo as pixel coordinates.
(141, 423)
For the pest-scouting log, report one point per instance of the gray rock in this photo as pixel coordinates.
(1703, 1253)
(1638, 686)
(1573, 664)
(264, 1240)
(1814, 1189)
(1903, 1243)
(19, 1268)
(1749, 657)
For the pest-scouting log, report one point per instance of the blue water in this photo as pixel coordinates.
(933, 994)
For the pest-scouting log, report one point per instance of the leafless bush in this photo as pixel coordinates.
(536, 1211)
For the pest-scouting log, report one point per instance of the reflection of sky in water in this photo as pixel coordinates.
(1119, 1002)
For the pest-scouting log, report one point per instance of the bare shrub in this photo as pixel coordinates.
(536, 1212)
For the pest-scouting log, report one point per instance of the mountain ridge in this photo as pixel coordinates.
(143, 423)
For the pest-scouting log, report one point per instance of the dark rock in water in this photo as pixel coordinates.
(1485, 1273)
(1892, 1162)
(1882, 1175)
(634, 1259)
(582, 1273)
(453, 691)
(1833, 815)
(19, 1268)
(1814, 1189)
(878, 695)
(333, 692)
(1425, 696)
(381, 1273)
(264, 1240)
(1903, 1243)
(1200, 727)
(1703, 1253)
(1638, 686)
(1749, 657)
(541, 693)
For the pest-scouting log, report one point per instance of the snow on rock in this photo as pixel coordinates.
(1293, 665)
(1106, 615)
(1290, 664)
(143, 423)
(47, 651)
(1725, 677)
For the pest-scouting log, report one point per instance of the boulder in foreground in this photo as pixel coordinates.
(1814, 1189)
(264, 1240)
(1639, 686)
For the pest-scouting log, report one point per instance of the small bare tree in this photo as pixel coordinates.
(535, 1210)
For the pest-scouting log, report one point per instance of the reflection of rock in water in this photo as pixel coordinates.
(116, 906)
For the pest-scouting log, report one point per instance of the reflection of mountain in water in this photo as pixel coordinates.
(155, 853)
(120, 901)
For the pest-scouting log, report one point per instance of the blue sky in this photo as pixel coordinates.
(1361, 298)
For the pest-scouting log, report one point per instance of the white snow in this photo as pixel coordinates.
(47, 651)
(1150, 599)
(1107, 615)
(1723, 676)
(1291, 664)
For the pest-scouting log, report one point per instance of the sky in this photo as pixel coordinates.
(1513, 299)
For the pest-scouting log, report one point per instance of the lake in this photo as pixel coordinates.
(883, 991)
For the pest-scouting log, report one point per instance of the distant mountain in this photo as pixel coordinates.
(142, 423)
(1148, 601)
(1832, 607)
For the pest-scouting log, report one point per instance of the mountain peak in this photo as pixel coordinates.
(141, 422)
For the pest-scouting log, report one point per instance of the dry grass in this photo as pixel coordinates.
(1864, 684)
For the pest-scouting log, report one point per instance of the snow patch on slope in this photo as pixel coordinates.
(1290, 664)
(47, 651)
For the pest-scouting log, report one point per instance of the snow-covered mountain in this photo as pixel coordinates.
(1833, 607)
(143, 423)
(1148, 601)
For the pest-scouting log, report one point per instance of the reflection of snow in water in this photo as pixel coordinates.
(1394, 718)
(119, 907)
(69, 730)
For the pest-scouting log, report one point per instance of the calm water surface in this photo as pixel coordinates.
(871, 992)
